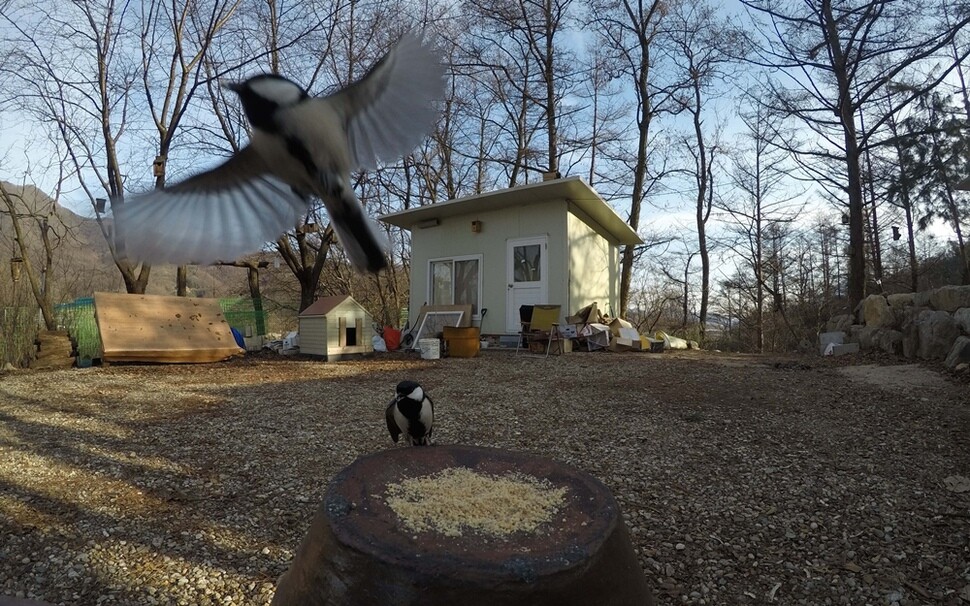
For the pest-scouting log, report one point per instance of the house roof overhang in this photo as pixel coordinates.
(572, 189)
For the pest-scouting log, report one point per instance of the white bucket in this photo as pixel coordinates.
(430, 348)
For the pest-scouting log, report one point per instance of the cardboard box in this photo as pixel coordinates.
(569, 331)
(597, 336)
(586, 315)
(618, 324)
(621, 344)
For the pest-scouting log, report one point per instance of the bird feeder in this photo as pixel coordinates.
(16, 266)
(99, 205)
(158, 166)
(360, 549)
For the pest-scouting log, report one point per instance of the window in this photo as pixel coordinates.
(527, 261)
(456, 282)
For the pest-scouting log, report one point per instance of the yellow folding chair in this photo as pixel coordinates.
(542, 328)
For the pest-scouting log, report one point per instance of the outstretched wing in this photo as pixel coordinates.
(218, 215)
(391, 423)
(394, 106)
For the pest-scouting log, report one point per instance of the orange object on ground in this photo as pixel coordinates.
(392, 338)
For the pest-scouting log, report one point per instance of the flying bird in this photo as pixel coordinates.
(411, 412)
(300, 146)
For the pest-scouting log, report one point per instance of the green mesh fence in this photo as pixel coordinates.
(241, 312)
(77, 317)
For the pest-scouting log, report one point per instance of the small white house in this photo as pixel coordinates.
(336, 328)
(554, 242)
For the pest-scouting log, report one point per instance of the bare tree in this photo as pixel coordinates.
(29, 211)
(607, 112)
(901, 191)
(517, 53)
(629, 29)
(764, 198)
(836, 58)
(175, 37)
(700, 47)
(77, 76)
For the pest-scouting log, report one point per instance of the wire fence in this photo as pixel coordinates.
(19, 326)
(245, 314)
(77, 317)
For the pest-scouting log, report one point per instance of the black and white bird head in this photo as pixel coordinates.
(264, 95)
(411, 412)
(301, 146)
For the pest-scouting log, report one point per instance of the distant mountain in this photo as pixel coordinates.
(82, 258)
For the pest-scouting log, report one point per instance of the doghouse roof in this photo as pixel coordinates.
(325, 305)
(573, 189)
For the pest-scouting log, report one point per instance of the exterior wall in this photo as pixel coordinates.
(350, 312)
(313, 335)
(453, 237)
(594, 267)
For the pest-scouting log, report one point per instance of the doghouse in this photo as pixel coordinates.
(336, 328)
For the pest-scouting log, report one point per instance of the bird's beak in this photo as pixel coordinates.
(233, 86)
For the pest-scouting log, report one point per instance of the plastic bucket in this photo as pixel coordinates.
(430, 349)
(392, 338)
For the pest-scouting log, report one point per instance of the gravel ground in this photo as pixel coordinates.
(743, 479)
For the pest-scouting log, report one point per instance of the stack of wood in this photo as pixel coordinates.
(54, 350)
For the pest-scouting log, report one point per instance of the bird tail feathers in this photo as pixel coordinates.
(362, 240)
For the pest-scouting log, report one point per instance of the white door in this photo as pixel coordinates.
(527, 277)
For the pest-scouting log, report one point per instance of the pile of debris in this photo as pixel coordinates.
(590, 330)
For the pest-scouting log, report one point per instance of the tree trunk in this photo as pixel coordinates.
(252, 275)
(704, 198)
(43, 302)
(181, 281)
(550, 74)
(911, 242)
(759, 269)
(644, 117)
(961, 244)
(846, 113)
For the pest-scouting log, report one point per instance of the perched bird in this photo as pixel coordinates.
(299, 146)
(411, 412)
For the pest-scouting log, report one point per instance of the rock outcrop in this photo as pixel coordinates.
(929, 325)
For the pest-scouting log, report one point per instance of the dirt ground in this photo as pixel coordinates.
(743, 479)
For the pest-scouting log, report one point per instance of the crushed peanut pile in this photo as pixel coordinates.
(458, 499)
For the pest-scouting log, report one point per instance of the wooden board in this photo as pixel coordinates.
(150, 328)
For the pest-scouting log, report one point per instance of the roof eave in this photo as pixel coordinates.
(573, 189)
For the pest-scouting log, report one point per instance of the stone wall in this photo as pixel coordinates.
(931, 325)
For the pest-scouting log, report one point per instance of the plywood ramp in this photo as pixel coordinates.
(151, 328)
